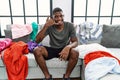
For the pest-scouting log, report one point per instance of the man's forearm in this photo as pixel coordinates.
(73, 44)
(41, 34)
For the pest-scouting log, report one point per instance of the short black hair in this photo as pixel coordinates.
(57, 9)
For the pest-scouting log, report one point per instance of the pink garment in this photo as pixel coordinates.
(20, 30)
(4, 43)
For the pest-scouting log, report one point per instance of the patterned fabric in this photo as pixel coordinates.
(89, 32)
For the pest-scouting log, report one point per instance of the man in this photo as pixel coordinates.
(63, 40)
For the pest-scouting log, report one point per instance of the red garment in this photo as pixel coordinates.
(97, 54)
(15, 60)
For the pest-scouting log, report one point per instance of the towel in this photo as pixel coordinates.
(34, 32)
(100, 67)
(20, 30)
(15, 61)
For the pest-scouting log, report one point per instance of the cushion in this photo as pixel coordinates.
(8, 34)
(111, 36)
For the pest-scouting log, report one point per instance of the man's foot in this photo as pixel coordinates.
(48, 78)
(65, 78)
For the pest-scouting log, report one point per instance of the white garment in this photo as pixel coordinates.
(99, 67)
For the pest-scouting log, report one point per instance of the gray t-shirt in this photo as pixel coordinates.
(59, 39)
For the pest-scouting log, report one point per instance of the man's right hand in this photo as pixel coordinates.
(49, 22)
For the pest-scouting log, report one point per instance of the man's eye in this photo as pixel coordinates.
(61, 16)
(58, 16)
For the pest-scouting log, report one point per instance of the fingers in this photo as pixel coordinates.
(47, 19)
(63, 57)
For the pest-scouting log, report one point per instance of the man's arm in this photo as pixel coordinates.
(41, 34)
(65, 52)
(74, 42)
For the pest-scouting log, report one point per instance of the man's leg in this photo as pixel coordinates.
(73, 58)
(40, 53)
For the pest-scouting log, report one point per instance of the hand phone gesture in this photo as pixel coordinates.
(49, 22)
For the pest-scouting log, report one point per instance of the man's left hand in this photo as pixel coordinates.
(64, 53)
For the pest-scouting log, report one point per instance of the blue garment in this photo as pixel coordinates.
(34, 32)
(32, 45)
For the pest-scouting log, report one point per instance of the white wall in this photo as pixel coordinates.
(65, 5)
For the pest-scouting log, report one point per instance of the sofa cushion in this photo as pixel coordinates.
(1, 62)
(57, 63)
(8, 34)
(115, 52)
(31, 60)
(111, 36)
(52, 63)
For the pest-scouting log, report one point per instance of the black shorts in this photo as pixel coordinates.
(52, 52)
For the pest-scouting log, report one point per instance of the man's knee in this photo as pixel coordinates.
(37, 51)
(40, 51)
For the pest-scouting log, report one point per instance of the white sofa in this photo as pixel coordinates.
(54, 64)
(56, 67)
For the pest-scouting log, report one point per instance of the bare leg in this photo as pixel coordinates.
(73, 58)
(39, 53)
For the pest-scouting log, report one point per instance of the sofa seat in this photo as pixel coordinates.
(56, 67)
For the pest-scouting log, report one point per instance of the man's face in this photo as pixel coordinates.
(58, 17)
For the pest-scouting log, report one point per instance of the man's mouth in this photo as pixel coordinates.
(59, 23)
